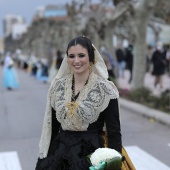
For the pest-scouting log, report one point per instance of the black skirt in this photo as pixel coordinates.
(69, 149)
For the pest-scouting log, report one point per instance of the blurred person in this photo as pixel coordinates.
(80, 102)
(31, 63)
(159, 64)
(53, 69)
(168, 60)
(34, 67)
(25, 63)
(10, 79)
(120, 56)
(39, 70)
(29, 68)
(109, 61)
(59, 59)
(1, 59)
(45, 72)
(149, 53)
(42, 70)
(129, 60)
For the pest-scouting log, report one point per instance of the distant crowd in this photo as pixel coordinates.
(44, 69)
(157, 61)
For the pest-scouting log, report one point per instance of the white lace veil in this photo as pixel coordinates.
(99, 67)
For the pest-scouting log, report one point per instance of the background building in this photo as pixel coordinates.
(51, 11)
(40, 12)
(9, 21)
(18, 29)
(55, 11)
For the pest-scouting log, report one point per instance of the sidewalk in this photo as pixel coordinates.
(139, 108)
(148, 112)
(148, 82)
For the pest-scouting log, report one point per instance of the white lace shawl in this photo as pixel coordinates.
(93, 99)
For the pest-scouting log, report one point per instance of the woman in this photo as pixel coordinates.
(159, 64)
(10, 79)
(81, 104)
(59, 59)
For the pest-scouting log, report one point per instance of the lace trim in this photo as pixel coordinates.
(93, 99)
(46, 132)
(46, 129)
(99, 67)
(97, 100)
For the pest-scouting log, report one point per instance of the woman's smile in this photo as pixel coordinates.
(77, 66)
(78, 59)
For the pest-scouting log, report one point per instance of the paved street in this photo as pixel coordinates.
(21, 117)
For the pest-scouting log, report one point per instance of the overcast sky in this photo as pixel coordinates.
(26, 8)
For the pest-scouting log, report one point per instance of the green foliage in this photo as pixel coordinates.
(140, 95)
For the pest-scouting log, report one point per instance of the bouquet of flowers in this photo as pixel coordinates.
(105, 159)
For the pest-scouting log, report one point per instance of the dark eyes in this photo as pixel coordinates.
(71, 56)
(80, 55)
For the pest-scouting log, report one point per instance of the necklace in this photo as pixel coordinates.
(73, 105)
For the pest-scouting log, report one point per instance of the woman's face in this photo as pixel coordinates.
(78, 59)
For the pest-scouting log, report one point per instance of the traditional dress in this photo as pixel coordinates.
(77, 134)
(73, 129)
(10, 79)
(42, 71)
(53, 70)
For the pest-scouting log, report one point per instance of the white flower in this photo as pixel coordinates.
(103, 154)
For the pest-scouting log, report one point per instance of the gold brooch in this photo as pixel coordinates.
(72, 106)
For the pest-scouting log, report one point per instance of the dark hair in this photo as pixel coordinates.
(86, 43)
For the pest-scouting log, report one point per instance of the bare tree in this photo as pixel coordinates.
(132, 16)
(139, 13)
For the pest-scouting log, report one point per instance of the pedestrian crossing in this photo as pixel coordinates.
(9, 161)
(140, 158)
(143, 160)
